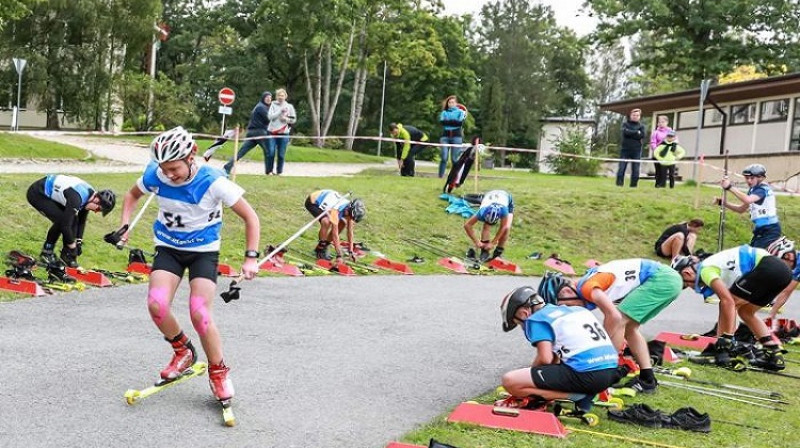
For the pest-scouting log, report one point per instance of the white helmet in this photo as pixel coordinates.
(175, 144)
(781, 247)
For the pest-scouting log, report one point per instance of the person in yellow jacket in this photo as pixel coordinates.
(667, 153)
(408, 148)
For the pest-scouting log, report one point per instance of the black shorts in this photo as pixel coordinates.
(200, 264)
(762, 284)
(313, 208)
(561, 377)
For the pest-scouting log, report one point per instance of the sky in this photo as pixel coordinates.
(567, 12)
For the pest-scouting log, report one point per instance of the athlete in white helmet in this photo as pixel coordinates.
(497, 207)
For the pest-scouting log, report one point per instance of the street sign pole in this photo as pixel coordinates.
(226, 97)
(704, 85)
(19, 64)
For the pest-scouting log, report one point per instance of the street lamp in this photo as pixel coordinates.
(19, 65)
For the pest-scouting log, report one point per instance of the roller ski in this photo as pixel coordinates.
(133, 395)
(510, 406)
(222, 387)
(21, 266)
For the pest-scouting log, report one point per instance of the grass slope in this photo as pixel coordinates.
(579, 218)
(23, 146)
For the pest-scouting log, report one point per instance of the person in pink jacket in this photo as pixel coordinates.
(656, 138)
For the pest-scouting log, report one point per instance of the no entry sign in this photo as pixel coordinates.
(226, 96)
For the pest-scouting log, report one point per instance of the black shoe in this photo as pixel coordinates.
(322, 254)
(498, 252)
(639, 414)
(484, 255)
(641, 386)
(470, 253)
(690, 419)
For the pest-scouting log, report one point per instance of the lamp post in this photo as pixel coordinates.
(19, 65)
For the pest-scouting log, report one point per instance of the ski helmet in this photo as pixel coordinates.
(357, 210)
(551, 285)
(522, 296)
(756, 169)
(781, 247)
(175, 144)
(493, 214)
(107, 201)
(681, 262)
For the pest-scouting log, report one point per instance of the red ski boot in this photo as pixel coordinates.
(183, 358)
(221, 385)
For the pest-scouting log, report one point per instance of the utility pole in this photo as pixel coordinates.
(19, 65)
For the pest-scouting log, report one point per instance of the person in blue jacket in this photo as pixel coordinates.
(257, 127)
(452, 120)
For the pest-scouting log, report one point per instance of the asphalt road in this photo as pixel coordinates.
(316, 362)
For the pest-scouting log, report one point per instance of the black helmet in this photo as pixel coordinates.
(681, 262)
(551, 285)
(357, 210)
(107, 201)
(755, 169)
(522, 296)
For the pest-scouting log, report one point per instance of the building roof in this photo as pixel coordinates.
(567, 120)
(726, 93)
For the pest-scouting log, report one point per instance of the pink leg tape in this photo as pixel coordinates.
(200, 315)
(158, 304)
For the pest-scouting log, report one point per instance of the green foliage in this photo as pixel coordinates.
(172, 104)
(573, 142)
(688, 40)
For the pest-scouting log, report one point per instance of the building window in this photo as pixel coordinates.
(687, 120)
(777, 110)
(712, 118)
(743, 113)
(794, 143)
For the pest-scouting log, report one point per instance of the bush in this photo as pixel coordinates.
(574, 142)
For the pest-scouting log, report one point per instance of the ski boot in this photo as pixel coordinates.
(770, 357)
(47, 256)
(69, 257)
(470, 254)
(20, 265)
(136, 256)
(580, 411)
(484, 257)
(183, 358)
(222, 388)
(57, 273)
(321, 251)
(510, 405)
(498, 252)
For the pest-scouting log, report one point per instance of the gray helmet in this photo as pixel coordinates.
(522, 296)
(681, 262)
(357, 210)
(107, 201)
(781, 247)
(551, 285)
(755, 169)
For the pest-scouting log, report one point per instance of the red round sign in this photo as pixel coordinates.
(226, 96)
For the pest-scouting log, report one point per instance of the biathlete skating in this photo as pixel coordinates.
(187, 237)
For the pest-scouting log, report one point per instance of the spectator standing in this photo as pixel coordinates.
(452, 119)
(256, 133)
(667, 153)
(633, 134)
(656, 138)
(281, 118)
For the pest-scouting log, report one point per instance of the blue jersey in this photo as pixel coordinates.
(577, 337)
(796, 270)
(56, 184)
(190, 213)
(496, 197)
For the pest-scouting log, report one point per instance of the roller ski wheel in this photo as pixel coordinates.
(612, 403)
(227, 413)
(587, 418)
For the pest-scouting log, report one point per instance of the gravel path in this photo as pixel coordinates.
(127, 157)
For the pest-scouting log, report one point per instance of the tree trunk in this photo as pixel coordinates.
(312, 91)
(330, 109)
(360, 81)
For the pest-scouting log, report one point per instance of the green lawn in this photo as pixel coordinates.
(579, 218)
(23, 146)
(293, 154)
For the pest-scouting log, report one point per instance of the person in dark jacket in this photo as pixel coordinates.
(678, 239)
(408, 148)
(257, 127)
(633, 134)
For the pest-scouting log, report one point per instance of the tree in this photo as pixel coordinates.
(699, 39)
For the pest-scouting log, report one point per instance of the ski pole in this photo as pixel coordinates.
(770, 372)
(233, 290)
(122, 243)
(627, 439)
(741, 425)
(721, 229)
(752, 390)
(735, 394)
(725, 397)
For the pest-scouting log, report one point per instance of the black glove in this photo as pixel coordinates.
(79, 247)
(115, 236)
